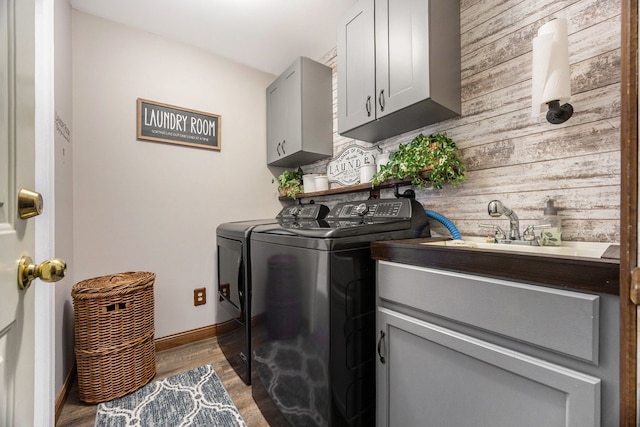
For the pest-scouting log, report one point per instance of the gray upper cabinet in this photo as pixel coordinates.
(356, 67)
(398, 66)
(299, 117)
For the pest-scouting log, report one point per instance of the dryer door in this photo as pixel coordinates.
(231, 278)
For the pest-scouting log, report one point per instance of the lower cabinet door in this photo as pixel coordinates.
(428, 375)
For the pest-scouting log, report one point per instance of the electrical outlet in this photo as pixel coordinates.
(224, 290)
(200, 296)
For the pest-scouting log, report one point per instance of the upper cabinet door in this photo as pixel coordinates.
(293, 96)
(402, 54)
(276, 119)
(283, 115)
(356, 67)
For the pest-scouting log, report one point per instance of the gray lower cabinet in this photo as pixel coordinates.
(299, 115)
(461, 350)
(398, 66)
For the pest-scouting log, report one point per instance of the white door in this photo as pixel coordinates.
(26, 132)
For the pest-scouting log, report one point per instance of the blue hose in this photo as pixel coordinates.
(444, 221)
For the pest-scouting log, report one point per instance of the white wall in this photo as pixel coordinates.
(63, 241)
(146, 206)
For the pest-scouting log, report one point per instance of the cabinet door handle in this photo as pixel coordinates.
(283, 141)
(380, 342)
(278, 149)
(381, 100)
(368, 106)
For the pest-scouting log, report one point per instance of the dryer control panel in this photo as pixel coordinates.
(310, 211)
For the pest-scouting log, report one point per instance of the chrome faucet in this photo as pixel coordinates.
(497, 209)
(498, 232)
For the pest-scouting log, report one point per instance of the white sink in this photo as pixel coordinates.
(578, 249)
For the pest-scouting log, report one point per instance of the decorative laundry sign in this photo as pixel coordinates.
(345, 169)
(168, 123)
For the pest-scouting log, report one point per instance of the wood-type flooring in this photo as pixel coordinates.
(170, 362)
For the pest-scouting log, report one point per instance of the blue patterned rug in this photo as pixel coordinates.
(193, 398)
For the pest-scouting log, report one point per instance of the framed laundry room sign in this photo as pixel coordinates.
(176, 125)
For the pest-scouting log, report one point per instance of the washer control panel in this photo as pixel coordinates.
(381, 209)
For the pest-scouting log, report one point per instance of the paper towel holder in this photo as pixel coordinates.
(558, 113)
(551, 79)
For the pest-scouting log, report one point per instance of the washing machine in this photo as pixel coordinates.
(314, 295)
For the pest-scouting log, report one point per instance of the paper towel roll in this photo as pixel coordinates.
(551, 78)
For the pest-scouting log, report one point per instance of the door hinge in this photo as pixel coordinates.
(634, 293)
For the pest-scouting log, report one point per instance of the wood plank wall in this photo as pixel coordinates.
(511, 156)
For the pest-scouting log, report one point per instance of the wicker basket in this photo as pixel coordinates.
(114, 329)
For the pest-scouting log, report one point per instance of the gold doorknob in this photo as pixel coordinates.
(29, 203)
(50, 270)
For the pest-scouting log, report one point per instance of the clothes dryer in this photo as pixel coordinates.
(234, 281)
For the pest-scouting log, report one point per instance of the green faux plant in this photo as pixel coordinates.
(429, 161)
(290, 183)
